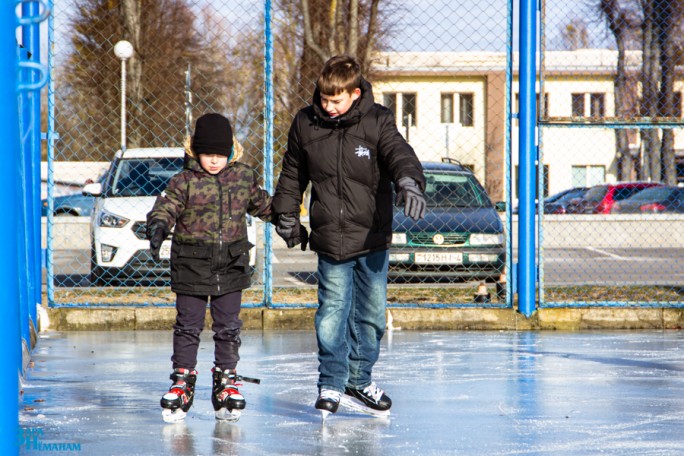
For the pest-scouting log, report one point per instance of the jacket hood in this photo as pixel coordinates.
(358, 109)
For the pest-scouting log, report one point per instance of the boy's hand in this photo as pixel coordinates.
(292, 232)
(409, 194)
(156, 233)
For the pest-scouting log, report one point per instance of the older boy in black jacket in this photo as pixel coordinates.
(349, 149)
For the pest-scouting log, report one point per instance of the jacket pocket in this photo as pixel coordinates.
(194, 251)
(239, 248)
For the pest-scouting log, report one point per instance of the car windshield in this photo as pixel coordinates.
(566, 197)
(144, 176)
(596, 193)
(454, 190)
(652, 194)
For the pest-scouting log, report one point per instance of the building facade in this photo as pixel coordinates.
(453, 105)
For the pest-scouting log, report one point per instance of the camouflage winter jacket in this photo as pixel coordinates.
(210, 250)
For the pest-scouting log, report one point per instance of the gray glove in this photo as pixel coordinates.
(292, 232)
(409, 194)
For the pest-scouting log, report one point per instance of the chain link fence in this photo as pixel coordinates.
(446, 71)
(611, 115)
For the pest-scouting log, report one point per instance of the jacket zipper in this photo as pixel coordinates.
(220, 232)
(339, 187)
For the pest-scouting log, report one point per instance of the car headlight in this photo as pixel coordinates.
(398, 238)
(486, 239)
(109, 220)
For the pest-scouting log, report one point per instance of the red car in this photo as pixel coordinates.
(600, 198)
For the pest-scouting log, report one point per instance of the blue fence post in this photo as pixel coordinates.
(268, 147)
(31, 40)
(23, 205)
(9, 291)
(527, 151)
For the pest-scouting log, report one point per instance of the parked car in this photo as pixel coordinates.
(599, 199)
(653, 200)
(558, 202)
(119, 248)
(74, 204)
(461, 234)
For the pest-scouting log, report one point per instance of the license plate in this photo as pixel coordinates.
(438, 258)
(165, 251)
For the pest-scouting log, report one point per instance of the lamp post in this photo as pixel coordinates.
(124, 51)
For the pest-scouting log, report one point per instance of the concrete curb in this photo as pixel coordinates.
(121, 318)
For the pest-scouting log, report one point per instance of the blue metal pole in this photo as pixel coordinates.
(23, 271)
(268, 147)
(51, 138)
(527, 159)
(9, 264)
(31, 40)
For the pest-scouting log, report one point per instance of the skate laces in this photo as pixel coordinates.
(330, 395)
(373, 392)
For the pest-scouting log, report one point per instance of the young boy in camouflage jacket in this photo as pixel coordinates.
(207, 203)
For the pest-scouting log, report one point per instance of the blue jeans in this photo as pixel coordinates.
(350, 320)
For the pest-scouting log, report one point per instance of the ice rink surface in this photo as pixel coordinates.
(454, 393)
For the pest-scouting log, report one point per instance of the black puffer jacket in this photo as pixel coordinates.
(350, 161)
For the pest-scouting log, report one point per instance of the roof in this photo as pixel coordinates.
(151, 152)
(444, 166)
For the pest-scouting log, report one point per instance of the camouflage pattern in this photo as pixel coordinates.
(210, 251)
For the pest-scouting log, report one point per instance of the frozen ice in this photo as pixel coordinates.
(453, 392)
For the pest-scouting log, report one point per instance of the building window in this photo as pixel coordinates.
(597, 105)
(577, 105)
(546, 181)
(447, 108)
(408, 109)
(466, 108)
(588, 175)
(389, 100)
(541, 110)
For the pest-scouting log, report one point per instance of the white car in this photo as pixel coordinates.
(119, 248)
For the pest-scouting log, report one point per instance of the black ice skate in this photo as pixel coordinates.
(227, 400)
(371, 400)
(178, 400)
(328, 401)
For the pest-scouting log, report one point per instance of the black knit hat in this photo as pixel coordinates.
(213, 135)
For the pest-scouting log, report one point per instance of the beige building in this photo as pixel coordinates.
(453, 104)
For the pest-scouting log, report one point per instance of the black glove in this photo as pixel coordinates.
(409, 194)
(156, 233)
(292, 232)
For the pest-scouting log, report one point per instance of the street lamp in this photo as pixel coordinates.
(124, 51)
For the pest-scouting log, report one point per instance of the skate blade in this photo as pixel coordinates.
(325, 414)
(173, 416)
(228, 415)
(357, 406)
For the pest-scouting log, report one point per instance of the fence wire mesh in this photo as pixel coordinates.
(612, 117)
(440, 66)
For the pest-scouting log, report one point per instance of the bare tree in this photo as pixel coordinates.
(166, 39)
(575, 35)
(624, 24)
(307, 33)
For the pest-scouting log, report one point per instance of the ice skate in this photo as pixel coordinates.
(328, 401)
(227, 401)
(178, 400)
(370, 400)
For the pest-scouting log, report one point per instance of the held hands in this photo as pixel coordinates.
(292, 232)
(156, 233)
(409, 194)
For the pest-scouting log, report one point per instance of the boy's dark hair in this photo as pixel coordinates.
(339, 74)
